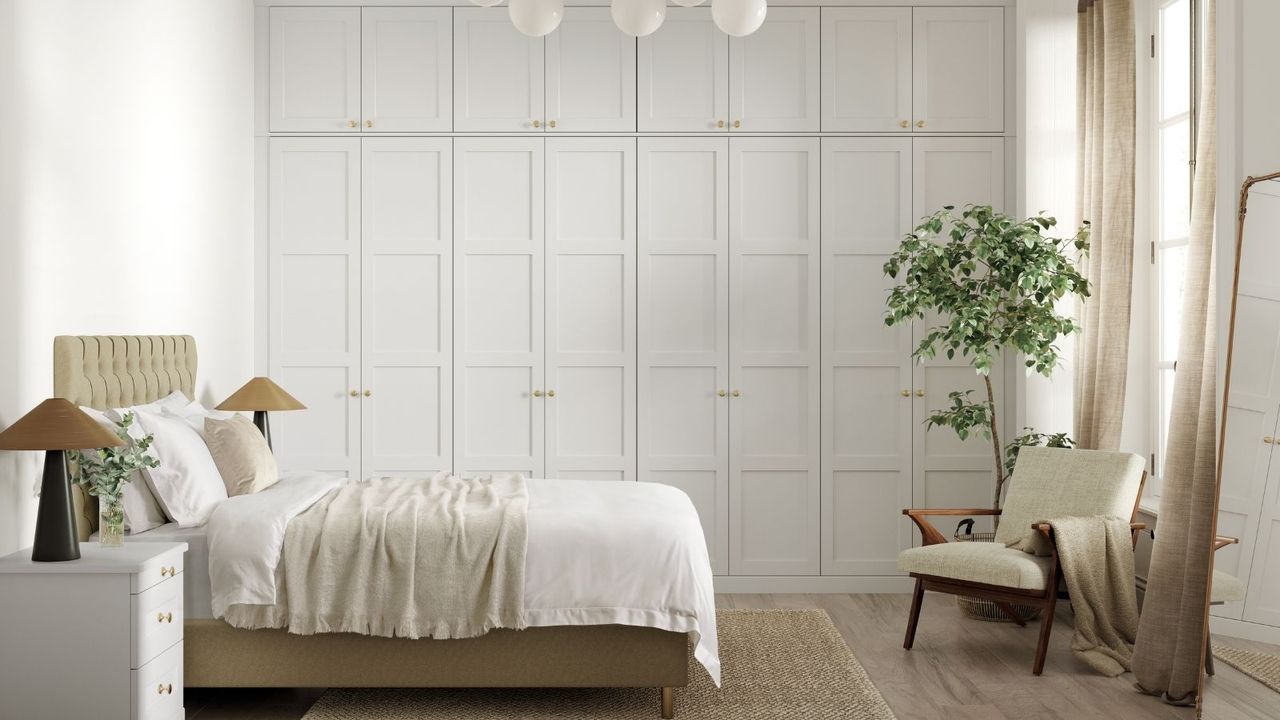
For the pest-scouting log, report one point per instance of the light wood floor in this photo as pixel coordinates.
(960, 669)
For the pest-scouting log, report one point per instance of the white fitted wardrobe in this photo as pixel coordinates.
(587, 256)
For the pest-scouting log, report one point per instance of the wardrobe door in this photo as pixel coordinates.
(683, 298)
(407, 75)
(866, 69)
(314, 261)
(950, 472)
(958, 69)
(591, 291)
(591, 74)
(498, 305)
(315, 69)
(497, 73)
(407, 306)
(773, 74)
(866, 366)
(774, 363)
(683, 74)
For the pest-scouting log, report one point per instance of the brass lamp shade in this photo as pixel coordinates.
(56, 424)
(261, 394)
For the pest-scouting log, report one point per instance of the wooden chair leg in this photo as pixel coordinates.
(1208, 656)
(916, 598)
(1046, 627)
(668, 703)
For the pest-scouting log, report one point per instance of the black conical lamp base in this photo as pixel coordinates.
(55, 519)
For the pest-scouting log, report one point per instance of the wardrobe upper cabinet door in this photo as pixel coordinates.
(591, 74)
(866, 69)
(683, 74)
(407, 81)
(958, 69)
(773, 74)
(497, 73)
(315, 69)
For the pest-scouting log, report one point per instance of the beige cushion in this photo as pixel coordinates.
(985, 562)
(1226, 588)
(1051, 483)
(241, 454)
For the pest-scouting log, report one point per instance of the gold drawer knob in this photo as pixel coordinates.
(906, 393)
(164, 689)
(168, 571)
(164, 617)
(551, 124)
(368, 393)
(905, 123)
(537, 393)
(537, 123)
(368, 123)
(355, 393)
(919, 123)
(719, 123)
(736, 393)
(352, 123)
(737, 123)
(1268, 440)
(722, 393)
(551, 393)
(920, 392)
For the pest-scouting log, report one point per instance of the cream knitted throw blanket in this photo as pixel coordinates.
(1096, 556)
(439, 557)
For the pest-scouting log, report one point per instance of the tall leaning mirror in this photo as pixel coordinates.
(1244, 634)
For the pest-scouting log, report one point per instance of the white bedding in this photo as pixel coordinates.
(598, 553)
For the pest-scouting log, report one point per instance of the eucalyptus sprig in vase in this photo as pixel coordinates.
(104, 473)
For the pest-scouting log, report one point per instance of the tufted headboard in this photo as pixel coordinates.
(111, 371)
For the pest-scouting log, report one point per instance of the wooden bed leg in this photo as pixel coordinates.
(668, 703)
(916, 598)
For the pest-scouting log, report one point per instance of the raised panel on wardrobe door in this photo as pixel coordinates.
(683, 326)
(407, 69)
(958, 69)
(866, 69)
(774, 74)
(1262, 601)
(591, 308)
(314, 265)
(682, 76)
(591, 74)
(497, 73)
(498, 305)
(950, 472)
(315, 69)
(866, 366)
(774, 361)
(407, 305)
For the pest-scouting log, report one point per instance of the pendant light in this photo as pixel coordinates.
(536, 18)
(688, 3)
(485, 3)
(739, 17)
(638, 17)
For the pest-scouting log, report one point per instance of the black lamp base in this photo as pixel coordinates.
(260, 419)
(55, 519)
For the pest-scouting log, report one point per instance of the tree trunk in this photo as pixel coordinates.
(995, 446)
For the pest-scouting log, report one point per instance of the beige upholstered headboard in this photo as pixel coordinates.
(111, 371)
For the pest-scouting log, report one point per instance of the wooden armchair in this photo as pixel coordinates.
(1047, 483)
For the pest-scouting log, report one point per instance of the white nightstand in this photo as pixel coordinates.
(98, 637)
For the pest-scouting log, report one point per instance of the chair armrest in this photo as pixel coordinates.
(1047, 530)
(1222, 541)
(930, 534)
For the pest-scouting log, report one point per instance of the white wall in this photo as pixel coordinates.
(126, 194)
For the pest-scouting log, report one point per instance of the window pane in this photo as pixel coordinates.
(1173, 273)
(1175, 58)
(1175, 181)
(1166, 404)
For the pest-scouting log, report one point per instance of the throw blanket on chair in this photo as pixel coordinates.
(439, 557)
(1096, 556)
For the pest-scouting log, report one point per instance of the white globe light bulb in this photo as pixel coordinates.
(485, 3)
(536, 18)
(638, 17)
(739, 17)
(688, 3)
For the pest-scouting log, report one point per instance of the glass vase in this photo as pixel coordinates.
(111, 520)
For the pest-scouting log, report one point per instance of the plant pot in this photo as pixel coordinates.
(111, 520)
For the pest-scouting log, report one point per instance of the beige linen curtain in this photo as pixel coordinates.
(1105, 127)
(1170, 645)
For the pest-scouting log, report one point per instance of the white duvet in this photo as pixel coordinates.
(599, 553)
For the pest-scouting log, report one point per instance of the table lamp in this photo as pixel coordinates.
(260, 395)
(55, 426)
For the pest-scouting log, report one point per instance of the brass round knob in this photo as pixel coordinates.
(355, 393)
(722, 393)
(352, 123)
(719, 123)
(537, 123)
(737, 123)
(736, 393)
(906, 393)
(551, 393)
(368, 123)
(919, 123)
(551, 124)
(919, 392)
(905, 123)
(537, 393)
(1268, 440)
(368, 393)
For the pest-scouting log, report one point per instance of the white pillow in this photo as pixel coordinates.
(141, 511)
(187, 483)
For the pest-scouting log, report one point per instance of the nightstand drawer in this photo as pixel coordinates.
(157, 687)
(156, 620)
(157, 570)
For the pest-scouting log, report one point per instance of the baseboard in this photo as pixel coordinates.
(810, 584)
(1244, 629)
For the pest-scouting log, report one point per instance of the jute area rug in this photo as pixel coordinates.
(1260, 666)
(776, 665)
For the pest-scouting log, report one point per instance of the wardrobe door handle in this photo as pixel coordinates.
(906, 393)
(919, 123)
(1268, 440)
(551, 124)
(368, 393)
(722, 393)
(355, 393)
(737, 123)
(736, 393)
(719, 123)
(919, 392)
(537, 123)
(368, 123)
(352, 123)
(537, 393)
(905, 124)
(551, 393)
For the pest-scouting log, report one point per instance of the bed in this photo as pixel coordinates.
(117, 371)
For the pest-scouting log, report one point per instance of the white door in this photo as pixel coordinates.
(407, 75)
(591, 310)
(407, 306)
(774, 363)
(683, 74)
(315, 69)
(683, 326)
(1262, 602)
(499, 395)
(866, 366)
(774, 74)
(314, 261)
(497, 73)
(950, 472)
(958, 69)
(866, 69)
(591, 74)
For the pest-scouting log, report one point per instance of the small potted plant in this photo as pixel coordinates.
(104, 473)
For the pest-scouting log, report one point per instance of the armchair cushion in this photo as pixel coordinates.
(983, 562)
(1226, 588)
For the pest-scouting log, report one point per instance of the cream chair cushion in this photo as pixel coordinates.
(983, 562)
(1049, 483)
(1226, 588)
